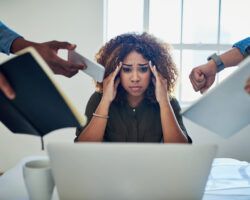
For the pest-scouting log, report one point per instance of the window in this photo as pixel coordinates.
(195, 28)
(123, 16)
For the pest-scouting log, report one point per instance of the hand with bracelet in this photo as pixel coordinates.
(95, 129)
(135, 105)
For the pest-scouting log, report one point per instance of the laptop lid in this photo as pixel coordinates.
(225, 109)
(107, 171)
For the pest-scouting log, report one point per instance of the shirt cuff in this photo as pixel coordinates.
(7, 36)
(243, 45)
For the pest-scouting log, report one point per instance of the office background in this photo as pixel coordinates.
(83, 22)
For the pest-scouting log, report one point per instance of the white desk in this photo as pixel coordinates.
(229, 180)
(12, 186)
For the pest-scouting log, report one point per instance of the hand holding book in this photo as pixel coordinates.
(40, 105)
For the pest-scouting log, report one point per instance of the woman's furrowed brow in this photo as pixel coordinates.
(126, 65)
(144, 64)
(140, 64)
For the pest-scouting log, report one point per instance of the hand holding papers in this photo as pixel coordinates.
(95, 70)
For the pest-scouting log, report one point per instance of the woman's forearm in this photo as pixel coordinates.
(172, 132)
(96, 128)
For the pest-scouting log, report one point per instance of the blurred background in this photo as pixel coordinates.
(195, 28)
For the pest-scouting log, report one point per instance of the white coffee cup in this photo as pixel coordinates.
(38, 179)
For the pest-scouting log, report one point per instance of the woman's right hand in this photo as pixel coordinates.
(110, 85)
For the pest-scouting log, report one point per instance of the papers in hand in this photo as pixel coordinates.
(224, 109)
(95, 70)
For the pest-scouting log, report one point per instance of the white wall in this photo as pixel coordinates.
(80, 22)
(77, 21)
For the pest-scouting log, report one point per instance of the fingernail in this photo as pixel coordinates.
(84, 66)
(73, 46)
(11, 96)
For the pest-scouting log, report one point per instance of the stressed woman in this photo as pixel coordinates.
(134, 102)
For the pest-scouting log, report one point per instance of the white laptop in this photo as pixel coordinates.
(225, 109)
(130, 171)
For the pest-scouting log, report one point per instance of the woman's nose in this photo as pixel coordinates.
(135, 76)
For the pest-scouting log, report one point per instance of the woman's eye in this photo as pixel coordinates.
(126, 69)
(143, 69)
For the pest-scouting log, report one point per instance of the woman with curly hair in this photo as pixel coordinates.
(134, 102)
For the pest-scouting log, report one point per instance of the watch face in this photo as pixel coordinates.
(219, 64)
(211, 57)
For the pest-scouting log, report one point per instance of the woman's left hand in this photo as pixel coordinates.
(161, 85)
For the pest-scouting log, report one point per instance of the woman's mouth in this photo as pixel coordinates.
(135, 88)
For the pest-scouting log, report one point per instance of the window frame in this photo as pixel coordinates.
(215, 47)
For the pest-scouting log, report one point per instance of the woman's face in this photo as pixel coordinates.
(135, 74)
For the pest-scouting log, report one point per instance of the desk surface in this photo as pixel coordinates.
(12, 186)
(229, 180)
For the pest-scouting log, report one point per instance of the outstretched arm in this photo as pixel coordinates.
(203, 76)
(48, 50)
(11, 42)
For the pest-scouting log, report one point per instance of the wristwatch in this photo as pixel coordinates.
(219, 64)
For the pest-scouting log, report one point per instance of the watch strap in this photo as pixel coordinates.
(219, 64)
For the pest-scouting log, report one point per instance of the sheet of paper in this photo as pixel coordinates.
(95, 70)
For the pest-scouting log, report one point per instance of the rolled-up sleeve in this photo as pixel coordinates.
(7, 36)
(243, 46)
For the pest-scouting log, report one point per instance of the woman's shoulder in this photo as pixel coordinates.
(95, 97)
(96, 94)
(175, 104)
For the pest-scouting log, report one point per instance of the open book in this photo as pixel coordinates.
(40, 105)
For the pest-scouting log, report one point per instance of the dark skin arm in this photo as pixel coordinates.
(48, 50)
